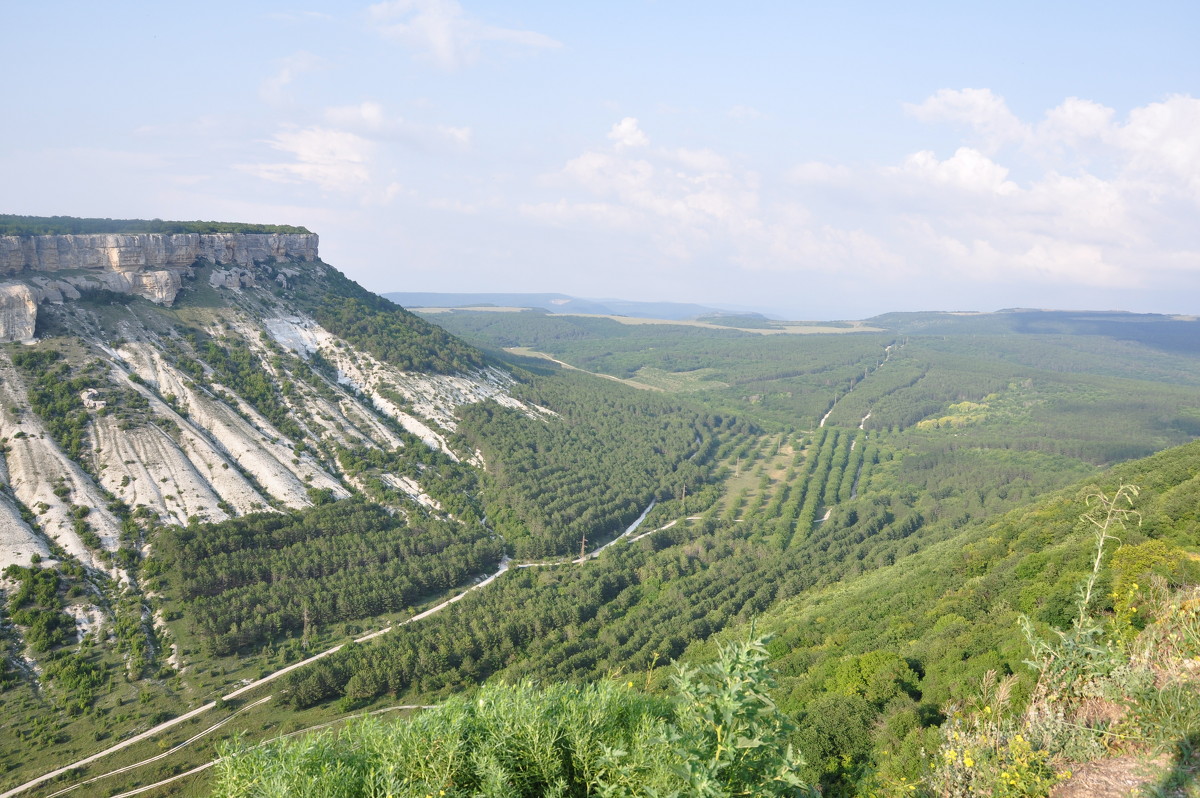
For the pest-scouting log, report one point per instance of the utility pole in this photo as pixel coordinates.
(583, 546)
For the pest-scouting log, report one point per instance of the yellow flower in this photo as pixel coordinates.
(968, 761)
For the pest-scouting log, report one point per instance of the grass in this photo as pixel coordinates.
(678, 381)
(746, 474)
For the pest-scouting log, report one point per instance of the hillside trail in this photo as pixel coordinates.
(505, 564)
(1117, 777)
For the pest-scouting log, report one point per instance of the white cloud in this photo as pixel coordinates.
(1101, 201)
(968, 169)
(695, 204)
(1075, 122)
(441, 31)
(626, 133)
(1079, 199)
(335, 160)
(979, 109)
(1162, 144)
(274, 89)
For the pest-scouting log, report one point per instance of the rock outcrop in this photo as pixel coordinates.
(57, 268)
(18, 312)
(143, 251)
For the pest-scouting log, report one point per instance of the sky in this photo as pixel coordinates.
(812, 160)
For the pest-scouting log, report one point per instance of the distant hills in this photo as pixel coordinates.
(1163, 332)
(564, 303)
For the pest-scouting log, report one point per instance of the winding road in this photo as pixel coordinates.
(505, 564)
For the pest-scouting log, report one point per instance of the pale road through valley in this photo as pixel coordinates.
(505, 564)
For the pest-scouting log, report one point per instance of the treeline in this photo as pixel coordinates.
(248, 581)
(14, 225)
(590, 469)
(610, 347)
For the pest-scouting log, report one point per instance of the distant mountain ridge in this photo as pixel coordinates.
(562, 303)
(1171, 333)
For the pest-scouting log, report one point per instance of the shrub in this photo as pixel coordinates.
(720, 736)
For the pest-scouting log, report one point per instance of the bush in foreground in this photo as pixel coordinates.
(720, 735)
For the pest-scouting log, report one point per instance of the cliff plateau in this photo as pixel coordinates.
(56, 268)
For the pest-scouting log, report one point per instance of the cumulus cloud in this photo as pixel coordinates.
(362, 150)
(1074, 123)
(626, 133)
(1162, 143)
(1103, 197)
(697, 204)
(444, 33)
(1083, 197)
(980, 110)
(968, 169)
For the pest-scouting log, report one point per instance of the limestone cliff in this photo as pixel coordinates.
(18, 312)
(149, 250)
(56, 268)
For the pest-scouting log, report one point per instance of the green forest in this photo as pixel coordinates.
(940, 556)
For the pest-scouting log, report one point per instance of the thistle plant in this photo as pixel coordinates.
(1081, 652)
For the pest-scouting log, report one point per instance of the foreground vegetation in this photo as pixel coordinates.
(718, 734)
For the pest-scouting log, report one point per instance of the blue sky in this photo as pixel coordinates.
(821, 160)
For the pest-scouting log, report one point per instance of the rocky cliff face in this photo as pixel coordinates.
(149, 250)
(56, 268)
(18, 312)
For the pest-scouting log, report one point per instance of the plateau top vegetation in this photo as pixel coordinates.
(14, 225)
